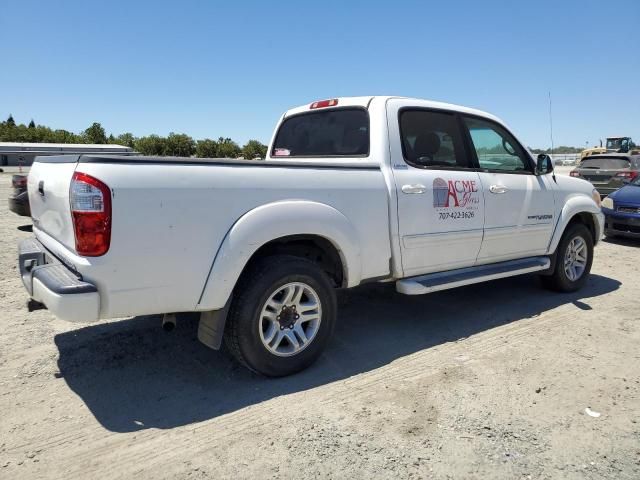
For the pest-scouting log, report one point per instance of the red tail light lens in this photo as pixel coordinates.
(91, 211)
(574, 173)
(19, 181)
(324, 104)
(627, 175)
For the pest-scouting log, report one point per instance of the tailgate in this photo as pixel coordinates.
(601, 169)
(598, 176)
(48, 185)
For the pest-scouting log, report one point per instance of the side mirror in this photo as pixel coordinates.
(544, 164)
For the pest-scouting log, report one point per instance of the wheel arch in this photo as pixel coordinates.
(316, 248)
(302, 228)
(587, 220)
(578, 209)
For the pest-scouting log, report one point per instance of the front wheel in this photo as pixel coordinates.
(574, 258)
(282, 315)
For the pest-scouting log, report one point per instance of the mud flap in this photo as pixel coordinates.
(211, 326)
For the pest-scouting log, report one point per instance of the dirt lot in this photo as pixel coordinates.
(488, 381)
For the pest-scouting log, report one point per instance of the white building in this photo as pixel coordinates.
(16, 153)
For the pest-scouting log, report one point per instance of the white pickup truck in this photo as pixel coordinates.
(428, 195)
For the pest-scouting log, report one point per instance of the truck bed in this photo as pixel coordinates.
(171, 215)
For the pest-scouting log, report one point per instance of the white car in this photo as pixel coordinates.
(352, 190)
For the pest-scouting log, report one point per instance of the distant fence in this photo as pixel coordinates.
(565, 158)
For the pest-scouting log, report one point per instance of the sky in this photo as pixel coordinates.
(212, 69)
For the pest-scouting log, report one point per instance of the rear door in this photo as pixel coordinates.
(519, 205)
(440, 203)
(48, 186)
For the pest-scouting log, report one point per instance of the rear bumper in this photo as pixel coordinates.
(55, 285)
(622, 225)
(19, 204)
(605, 191)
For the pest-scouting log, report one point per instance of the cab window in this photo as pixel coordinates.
(496, 149)
(431, 140)
(342, 132)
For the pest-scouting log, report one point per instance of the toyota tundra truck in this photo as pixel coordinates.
(428, 195)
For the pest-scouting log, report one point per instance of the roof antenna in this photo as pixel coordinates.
(551, 135)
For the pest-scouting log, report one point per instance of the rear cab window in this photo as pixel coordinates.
(606, 163)
(341, 132)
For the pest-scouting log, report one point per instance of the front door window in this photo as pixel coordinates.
(496, 149)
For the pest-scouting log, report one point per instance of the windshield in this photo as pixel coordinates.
(615, 143)
(331, 133)
(608, 163)
(635, 182)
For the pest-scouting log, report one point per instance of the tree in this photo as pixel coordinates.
(559, 150)
(95, 134)
(207, 148)
(227, 148)
(254, 149)
(126, 139)
(175, 144)
(179, 145)
(63, 136)
(151, 145)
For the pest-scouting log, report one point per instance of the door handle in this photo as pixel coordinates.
(498, 189)
(415, 188)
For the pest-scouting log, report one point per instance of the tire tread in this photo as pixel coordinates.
(557, 281)
(244, 293)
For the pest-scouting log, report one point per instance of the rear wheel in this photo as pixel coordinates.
(282, 315)
(574, 258)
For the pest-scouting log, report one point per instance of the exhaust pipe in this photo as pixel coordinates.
(169, 322)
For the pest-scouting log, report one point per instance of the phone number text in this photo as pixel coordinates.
(455, 215)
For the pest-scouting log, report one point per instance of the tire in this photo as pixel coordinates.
(560, 280)
(251, 322)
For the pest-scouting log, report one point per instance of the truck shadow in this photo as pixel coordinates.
(133, 376)
(623, 241)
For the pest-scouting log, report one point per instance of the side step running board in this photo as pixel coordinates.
(434, 282)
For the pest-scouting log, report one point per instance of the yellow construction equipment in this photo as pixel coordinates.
(613, 145)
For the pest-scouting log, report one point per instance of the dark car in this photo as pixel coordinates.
(622, 211)
(608, 172)
(19, 200)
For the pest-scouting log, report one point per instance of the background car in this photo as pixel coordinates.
(608, 172)
(19, 200)
(622, 211)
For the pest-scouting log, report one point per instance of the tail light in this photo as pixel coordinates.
(91, 211)
(574, 173)
(630, 175)
(19, 181)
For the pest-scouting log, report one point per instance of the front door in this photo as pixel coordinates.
(440, 202)
(519, 215)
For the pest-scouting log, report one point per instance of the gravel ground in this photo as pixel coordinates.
(486, 381)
